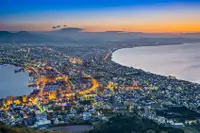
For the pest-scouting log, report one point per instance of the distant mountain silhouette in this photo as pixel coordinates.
(6, 36)
(71, 29)
(26, 37)
(113, 31)
(191, 35)
(195, 33)
(75, 34)
(23, 33)
(5, 33)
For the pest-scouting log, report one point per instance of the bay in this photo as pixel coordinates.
(181, 61)
(11, 83)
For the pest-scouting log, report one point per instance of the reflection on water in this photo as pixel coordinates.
(182, 61)
(11, 83)
(73, 128)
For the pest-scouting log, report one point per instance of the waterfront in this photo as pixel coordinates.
(90, 88)
(73, 128)
(13, 84)
(181, 61)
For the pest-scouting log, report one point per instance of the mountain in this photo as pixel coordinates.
(191, 35)
(132, 124)
(5, 34)
(79, 35)
(71, 29)
(23, 33)
(27, 37)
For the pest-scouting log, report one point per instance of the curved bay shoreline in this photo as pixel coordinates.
(142, 69)
(13, 83)
(180, 61)
(168, 88)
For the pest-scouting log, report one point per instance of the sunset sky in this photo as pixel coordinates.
(101, 15)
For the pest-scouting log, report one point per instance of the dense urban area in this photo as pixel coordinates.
(73, 84)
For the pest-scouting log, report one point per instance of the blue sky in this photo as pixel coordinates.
(34, 14)
(8, 6)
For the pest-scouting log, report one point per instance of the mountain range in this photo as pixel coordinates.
(74, 35)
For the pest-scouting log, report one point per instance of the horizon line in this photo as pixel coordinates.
(102, 31)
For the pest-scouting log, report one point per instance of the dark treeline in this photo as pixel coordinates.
(20, 129)
(132, 124)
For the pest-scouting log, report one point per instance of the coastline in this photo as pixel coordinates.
(15, 71)
(114, 72)
(150, 72)
(140, 69)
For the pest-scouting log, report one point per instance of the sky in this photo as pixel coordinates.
(152, 16)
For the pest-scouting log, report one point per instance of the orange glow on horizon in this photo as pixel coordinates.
(161, 27)
(173, 18)
(149, 28)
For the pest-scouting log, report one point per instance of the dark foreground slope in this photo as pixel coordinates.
(132, 124)
(9, 129)
(117, 124)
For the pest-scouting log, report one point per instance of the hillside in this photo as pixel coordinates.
(75, 35)
(132, 124)
(8, 129)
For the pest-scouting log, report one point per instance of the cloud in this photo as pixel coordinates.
(54, 27)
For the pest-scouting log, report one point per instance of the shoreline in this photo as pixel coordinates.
(169, 92)
(150, 72)
(71, 128)
(110, 57)
(15, 72)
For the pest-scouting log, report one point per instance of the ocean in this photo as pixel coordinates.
(181, 61)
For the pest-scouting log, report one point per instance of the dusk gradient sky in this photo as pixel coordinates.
(101, 15)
